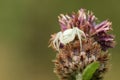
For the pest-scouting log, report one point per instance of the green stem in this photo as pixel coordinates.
(79, 76)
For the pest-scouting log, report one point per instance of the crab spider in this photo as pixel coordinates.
(68, 36)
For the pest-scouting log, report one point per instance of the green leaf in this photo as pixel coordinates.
(90, 70)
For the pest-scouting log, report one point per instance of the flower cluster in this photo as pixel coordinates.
(70, 60)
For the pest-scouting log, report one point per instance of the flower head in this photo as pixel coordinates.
(72, 58)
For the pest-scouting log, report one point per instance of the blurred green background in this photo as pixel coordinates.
(25, 29)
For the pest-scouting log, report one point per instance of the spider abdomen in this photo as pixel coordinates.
(68, 36)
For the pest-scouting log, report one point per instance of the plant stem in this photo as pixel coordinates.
(79, 76)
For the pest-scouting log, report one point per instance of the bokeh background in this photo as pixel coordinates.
(25, 29)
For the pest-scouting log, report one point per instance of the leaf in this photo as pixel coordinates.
(90, 70)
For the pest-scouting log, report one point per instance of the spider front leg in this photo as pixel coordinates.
(56, 42)
(80, 35)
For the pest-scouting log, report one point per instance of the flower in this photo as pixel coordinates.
(71, 60)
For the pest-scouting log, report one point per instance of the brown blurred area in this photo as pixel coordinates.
(25, 29)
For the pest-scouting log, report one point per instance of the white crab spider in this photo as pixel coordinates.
(68, 36)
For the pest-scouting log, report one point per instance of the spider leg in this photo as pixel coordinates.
(79, 37)
(79, 34)
(83, 34)
(56, 41)
(58, 44)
